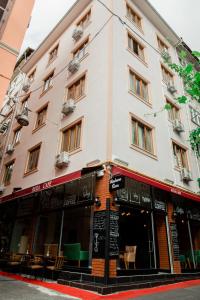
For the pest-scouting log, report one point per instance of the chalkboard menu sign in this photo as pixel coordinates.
(175, 243)
(99, 234)
(135, 193)
(114, 234)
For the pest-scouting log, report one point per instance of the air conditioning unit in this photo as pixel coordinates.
(4, 127)
(68, 107)
(171, 88)
(2, 188)
(77, 33)
(178, 126)
(22, 118)
(62, 160)
(165, 55)
(186, 175)
(10, 149)
(74, 65)
(26, 86)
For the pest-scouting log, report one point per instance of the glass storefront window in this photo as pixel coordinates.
(21, 236)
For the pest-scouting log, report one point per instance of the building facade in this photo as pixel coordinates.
(14, 20)
(93, 159)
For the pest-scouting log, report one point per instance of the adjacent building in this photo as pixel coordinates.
(93, 159)
(14, 20)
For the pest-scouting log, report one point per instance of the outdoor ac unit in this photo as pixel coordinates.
(10, 149)
(77, 33)
(165, 55)
(68, 107)
(2, 188)
(22, 118)
(26, 86)
(186, 175)
(4, 127)
(171, 88)
(178, 126)
(74, 66)
(62, 159)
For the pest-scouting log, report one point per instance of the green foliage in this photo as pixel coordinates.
(191, 80)
(195, 140)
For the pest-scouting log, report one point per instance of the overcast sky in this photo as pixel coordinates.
(181, 15)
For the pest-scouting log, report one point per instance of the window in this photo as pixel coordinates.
(8, 172)
(53, 54)
(17, 135)
(33, 157)
(173, 113)
(77, 89)
(41, 117)
(142, 136)
(81, 51)
(3, 4)
(180, 156)
(167, 76)
(72, 138)
(48, 82)
(138, 86)
(25, 103)
(161, 45)
(135, 47)
(32, 76)
(133, 16)
(85, 20)
(195, 116)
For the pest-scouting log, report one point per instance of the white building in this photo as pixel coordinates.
(111, 78)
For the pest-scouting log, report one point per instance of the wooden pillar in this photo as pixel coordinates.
(162, 242)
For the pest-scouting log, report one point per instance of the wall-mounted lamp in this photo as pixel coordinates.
(97, 201)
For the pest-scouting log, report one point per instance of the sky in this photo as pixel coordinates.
(181, 15)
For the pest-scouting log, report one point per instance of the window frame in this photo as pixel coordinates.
(35, 169)
(139, 45)
(6, 181)
(180, 164)
(80, 21)
(138, 24)
(44, 107)
(51, 59)
(32, 74)
(161, 43)
(196, 115)
(85, 42)
(15, 140)
(146, 126)
(67, 128)
(73, 84)
(175, 108)
(46, 78)
(142, 81)
(165, 72)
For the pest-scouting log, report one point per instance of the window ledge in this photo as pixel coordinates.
(134, 147)
(136, 56)
(44, 92)
(138, 27)
(75, 151)
(142, 100)
(39, 127)
(30, 172)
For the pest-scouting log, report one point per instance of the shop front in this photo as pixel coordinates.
(143, 246)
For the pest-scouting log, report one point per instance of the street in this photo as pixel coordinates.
(15, 288)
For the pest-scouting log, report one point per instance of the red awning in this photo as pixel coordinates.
(161, 185)
(42, 186)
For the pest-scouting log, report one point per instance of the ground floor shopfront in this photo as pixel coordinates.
(108, 220)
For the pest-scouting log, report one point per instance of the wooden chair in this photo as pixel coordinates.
(129, 256)
(35, 266)
(57, 265)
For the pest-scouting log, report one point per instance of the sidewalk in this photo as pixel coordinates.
(30, 289)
